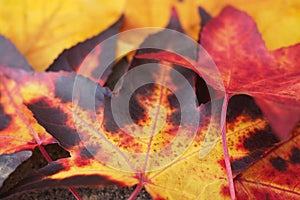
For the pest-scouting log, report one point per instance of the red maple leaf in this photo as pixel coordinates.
(247, 67)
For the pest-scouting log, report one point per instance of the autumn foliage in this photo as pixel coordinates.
(237, 135)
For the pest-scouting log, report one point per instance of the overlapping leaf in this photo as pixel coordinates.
(41, 30)
(90, 58)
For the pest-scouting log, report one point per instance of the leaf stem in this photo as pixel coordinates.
(75, 193)
(49, 159)
(45, 153)
(136, 191)
(225, 147)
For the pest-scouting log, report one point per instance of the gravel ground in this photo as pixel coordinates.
(111, 193)
(37, 161)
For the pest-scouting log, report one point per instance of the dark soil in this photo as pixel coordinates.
(37, 161)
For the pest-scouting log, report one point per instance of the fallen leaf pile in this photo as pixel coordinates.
(236, 136)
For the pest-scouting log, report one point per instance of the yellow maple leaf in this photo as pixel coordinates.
(42, 29)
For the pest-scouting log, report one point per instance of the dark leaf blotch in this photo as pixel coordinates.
(295, 157)
(260, 139)
(4, 119)
(53, 120)
(279, 163)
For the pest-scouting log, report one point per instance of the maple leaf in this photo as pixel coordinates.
(275, 176)
(92, 55)
(247, 67)
(279, 16)
(101, 153)
(41, 30)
